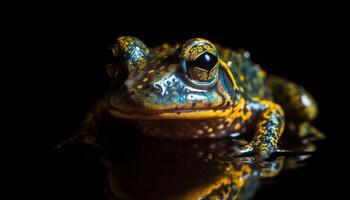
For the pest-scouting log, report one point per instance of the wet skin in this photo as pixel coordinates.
(198, 90)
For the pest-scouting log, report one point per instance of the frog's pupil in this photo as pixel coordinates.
(205, 61)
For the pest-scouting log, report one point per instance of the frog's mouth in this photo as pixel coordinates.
(134, 113)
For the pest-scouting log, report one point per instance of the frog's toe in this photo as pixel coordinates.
(246, 150)
(262, 152)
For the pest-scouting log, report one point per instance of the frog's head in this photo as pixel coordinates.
(185, 81)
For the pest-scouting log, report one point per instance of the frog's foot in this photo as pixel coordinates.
(261, 150)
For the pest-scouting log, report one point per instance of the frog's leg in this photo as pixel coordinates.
(270, 123)
(269, 128)
(299, 106)
(297, 103)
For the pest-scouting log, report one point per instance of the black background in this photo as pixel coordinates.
(70, 76)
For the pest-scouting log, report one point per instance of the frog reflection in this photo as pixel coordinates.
(187, 170)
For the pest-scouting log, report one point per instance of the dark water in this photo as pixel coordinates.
(123, 164)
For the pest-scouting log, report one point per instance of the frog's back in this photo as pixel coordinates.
(248, 75)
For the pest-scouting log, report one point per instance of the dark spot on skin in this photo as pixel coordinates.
(238, 120)
(148, 86)
(132, 92)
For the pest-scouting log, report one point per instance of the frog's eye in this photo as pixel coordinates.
(200, 61)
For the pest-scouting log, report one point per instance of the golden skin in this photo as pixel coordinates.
(200, 90)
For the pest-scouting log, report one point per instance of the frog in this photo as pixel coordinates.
(199, 90)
